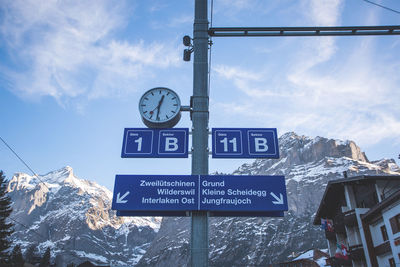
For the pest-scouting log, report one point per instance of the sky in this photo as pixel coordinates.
(72, 73)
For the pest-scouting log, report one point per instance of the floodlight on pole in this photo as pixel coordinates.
(187, 54)
(187, 41)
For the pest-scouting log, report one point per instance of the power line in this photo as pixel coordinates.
(41, 182)
(387, 8)
(15, 153)
(26, 165)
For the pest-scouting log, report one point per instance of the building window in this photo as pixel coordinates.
(384, 233)
(391, 262)
(395, 223)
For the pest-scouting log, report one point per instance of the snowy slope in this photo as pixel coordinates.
(73, 217)
(307, 164)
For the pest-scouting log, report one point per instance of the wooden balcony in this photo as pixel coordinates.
(356, 253)
(350, 218)
(330, 235)
(338, 223)
(336, 262)
(383, 248)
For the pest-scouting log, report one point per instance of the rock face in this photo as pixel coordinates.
(74, 218)
(307, 164)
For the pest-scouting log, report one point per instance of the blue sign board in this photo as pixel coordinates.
(242, 193)
(245, 143)
(155, 192)
(222, 195)
(155, 143)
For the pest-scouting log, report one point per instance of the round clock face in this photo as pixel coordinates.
(160, 108)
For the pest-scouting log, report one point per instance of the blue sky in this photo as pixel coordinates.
(72, 73)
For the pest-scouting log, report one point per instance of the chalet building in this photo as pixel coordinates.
(361, 217)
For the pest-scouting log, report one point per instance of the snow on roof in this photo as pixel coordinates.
(306, 255)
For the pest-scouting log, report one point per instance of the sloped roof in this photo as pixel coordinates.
(334, 193)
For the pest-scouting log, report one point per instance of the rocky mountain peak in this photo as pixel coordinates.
(308, 164)
(73, 217)
(302, 149)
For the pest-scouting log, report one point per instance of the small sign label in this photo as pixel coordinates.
(155, 143)
(245, 143)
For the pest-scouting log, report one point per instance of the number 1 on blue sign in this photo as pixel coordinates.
(139, 142)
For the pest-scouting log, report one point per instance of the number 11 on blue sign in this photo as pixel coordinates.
(245, 143)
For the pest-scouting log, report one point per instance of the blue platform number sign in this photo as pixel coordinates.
(228, 142)
(262, 142)
(138, 142)
(245, 143)
(172, 142)
(155, 143)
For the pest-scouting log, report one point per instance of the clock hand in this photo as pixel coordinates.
(158, 107)
(159, 104)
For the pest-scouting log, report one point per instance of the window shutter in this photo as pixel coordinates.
(394, 225)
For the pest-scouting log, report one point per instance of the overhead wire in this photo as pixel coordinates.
(387, 8)
(26, 165)
(41, 181)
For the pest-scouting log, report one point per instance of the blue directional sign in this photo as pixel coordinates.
(155, 143)
(245, 143)
(221, 195)
(155, 192)
(243, 193)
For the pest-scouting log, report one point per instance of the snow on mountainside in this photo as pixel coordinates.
(74, 218)
(308, 164)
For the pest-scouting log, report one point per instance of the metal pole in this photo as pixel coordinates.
(199, 226)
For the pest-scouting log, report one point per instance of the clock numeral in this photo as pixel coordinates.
(146, 98)
(173, 98)
(173, 111)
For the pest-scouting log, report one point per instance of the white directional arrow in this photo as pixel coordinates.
(121, 199)
(278, 200)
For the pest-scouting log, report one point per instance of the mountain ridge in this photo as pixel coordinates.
(73, 216)
(308, 164)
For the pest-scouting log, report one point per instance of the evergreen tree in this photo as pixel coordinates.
(5, 228)
(71, 265)
(45, 261)
(16, 259)
(30, 253)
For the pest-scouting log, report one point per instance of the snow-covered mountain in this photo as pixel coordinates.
(307, 164)
(74, 218)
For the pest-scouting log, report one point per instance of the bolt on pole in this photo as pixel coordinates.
(200, 113)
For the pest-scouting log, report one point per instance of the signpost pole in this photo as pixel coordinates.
(200, 113)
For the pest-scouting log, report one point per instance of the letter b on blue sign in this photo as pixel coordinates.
(262, 142)
(172, 142)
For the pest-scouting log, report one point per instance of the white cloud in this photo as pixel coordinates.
(323, 13)
(68, 51)
(354, 97)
